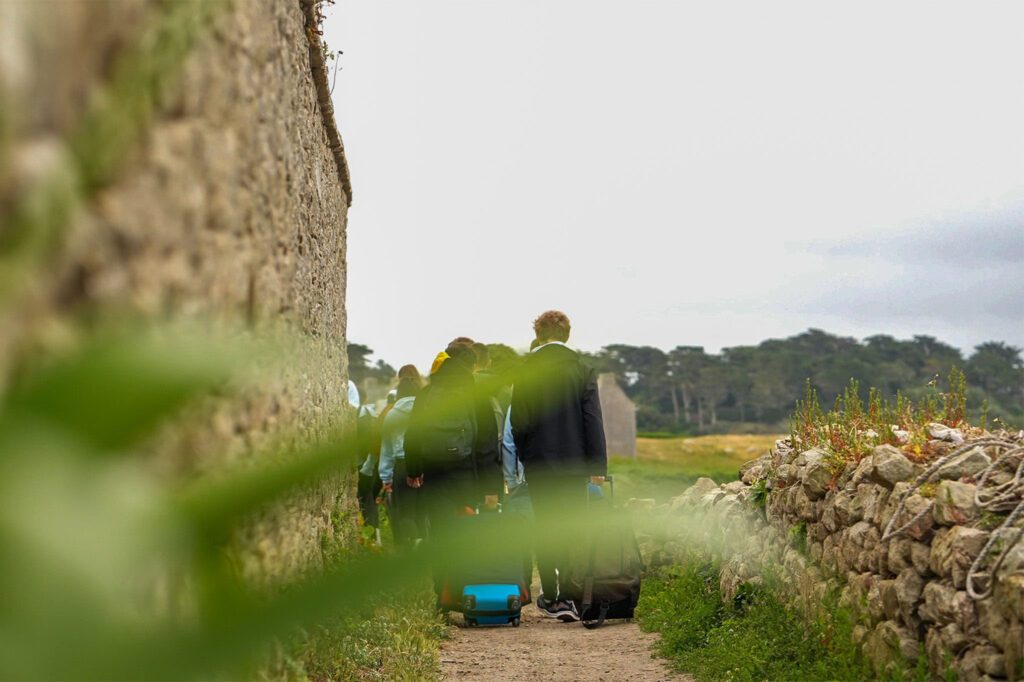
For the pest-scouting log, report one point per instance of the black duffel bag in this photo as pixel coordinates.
(606, 569)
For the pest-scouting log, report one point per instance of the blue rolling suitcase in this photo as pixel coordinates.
(492, 604)
(494, 586)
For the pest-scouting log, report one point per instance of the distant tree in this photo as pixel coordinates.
(934, 358)
(740, 365)
(684, 365)
(359, 367)
(998, 369)
(769, 396)
(504, 358)
(712, 389)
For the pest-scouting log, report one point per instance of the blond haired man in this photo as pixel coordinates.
(559, 436)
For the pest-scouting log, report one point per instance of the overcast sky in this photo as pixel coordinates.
(697, 173)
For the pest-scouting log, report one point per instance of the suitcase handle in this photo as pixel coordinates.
(610, 480)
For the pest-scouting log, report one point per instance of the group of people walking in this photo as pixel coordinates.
(468, 438)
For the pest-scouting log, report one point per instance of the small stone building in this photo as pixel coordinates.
(619, 417)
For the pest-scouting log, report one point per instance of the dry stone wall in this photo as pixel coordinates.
(895, 540)
(231, 207)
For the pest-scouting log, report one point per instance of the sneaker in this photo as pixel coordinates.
(564, 611)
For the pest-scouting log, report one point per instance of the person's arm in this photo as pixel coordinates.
(488, 453)
(387, 454)
(596, 451)
(413, 441)
(520, 415)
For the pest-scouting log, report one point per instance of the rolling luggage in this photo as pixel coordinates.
(606, 569)
(491, 589)
(492, 604)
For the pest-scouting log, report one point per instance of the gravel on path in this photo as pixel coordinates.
(545, 648)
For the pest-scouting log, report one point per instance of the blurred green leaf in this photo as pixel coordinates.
(117, 390)
(212, 505)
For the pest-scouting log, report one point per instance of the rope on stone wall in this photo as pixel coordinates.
(1006, 532)
(998, 497)
(1001, 496)
(318, 68)
(1008, 495)
(929, 475)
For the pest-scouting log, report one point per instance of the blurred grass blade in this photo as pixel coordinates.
(116, 391)
(214, 504)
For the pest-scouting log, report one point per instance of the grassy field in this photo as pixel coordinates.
(664, 466)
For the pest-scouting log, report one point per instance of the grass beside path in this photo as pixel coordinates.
(663, 467)
(397, 638)
(754, 638)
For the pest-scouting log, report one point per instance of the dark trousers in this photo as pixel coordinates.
(559, 503)
(404, 508)
(367, 490)
(446, 497)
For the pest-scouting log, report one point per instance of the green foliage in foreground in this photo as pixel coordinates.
(129, 573)
(93, 536)
(396, 638)
(755, 638)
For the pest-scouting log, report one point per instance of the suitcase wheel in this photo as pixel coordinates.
(515, 622)
(471, 621)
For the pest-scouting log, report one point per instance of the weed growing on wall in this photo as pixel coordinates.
(851, 429)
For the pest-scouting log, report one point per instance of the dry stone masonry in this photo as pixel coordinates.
(928, 557)
(230, 207)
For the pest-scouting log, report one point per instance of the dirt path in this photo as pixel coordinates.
(544, 648)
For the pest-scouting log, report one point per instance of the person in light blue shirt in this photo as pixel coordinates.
(511, 467)
(402, 499)
(353, 394)
(368, 486)
(366, 490)
(368, 414)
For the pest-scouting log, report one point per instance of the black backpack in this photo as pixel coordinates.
(606, 569)
(446, 426)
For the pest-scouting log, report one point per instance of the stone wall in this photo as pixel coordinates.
(227, 204)
(792, 516)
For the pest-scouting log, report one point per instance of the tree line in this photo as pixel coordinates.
(688, 390)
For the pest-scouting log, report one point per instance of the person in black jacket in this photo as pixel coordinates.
(559, 435)
(451, 445)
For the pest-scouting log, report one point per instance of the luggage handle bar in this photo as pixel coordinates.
(610, 480)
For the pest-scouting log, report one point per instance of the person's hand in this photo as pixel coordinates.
(491, 501)
(597, 480)
(387, 487)
(414, 482)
